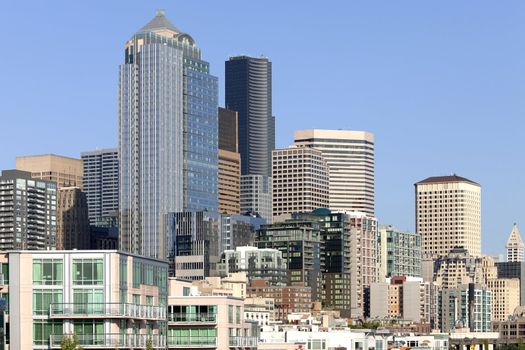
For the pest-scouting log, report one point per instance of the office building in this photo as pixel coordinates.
(300, 180)
(73, 230)
(257, 263)
(168, 134)
(514, 269)
(350, 159)
(300, 245)
(448, 214)
(248, 90)
(467, 306)
(505, 297)
(107, 299)
(229, 163)
(28, 212)
(287, 299)
(256, 196)
(515, 246)
(101, 181)
(64, 171)
(399, 253)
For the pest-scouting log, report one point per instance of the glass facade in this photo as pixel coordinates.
(168, 137)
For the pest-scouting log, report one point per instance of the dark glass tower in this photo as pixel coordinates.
(249, 92)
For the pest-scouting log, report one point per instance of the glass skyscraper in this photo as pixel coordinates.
(167, 134)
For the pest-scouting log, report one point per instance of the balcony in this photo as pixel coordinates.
(112, 340)
(192, 342)
(192, 319)
(243, 342)
(107, 310)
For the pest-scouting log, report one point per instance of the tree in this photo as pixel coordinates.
(149, 344)
(69, 342)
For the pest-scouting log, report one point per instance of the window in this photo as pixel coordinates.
(42, 330)
(136, 299)
(47, 271)
(90, 331)
(185, 291)
(5, 273)
(238, 314)
(88, 272)
(42, 298)
(88, 301)
(149, 300)
(124, 273)
(192, 336)
(230, 313)
(136, 274)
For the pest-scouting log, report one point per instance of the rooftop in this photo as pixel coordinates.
(444, 179)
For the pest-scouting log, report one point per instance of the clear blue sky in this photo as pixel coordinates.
(441, 84)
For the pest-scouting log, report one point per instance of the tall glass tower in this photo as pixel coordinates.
(168, 134)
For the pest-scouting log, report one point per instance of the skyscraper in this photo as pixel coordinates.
(27, 212)
(448, 214)
(350, 158)
(64, 171)
(256, 196)
(300, 180)
(101, 182)
(167, 134)
(229, 163)
(72, 222)
(249, 92)
(515, 245)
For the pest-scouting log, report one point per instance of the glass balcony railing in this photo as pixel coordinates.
(112, 340)
(118, 310)
(207, 318)
(182, 342)
(243, 342)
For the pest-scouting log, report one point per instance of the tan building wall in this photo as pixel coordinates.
(64, 171)
(229, 182)
(448, 214)
(505, 297)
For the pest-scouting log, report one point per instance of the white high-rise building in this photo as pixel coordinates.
(101, 183)
(300, 180)
(448, 215)
(515, 246)
(350, 158)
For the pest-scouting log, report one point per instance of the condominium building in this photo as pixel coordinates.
(257, 263)
(505, 297)
(106, 298)
(256, 196)
(28, 212)
(448, 214)
(248, 90)
(101, 181)
(168, 134)
(229, 163)
(72, 223)
(399, 253)
(467, 306)
(350, 257)
(350, 159)
(301, 247)
(401, 298)
(239, 230)
(199, 320)
(515, 246)
(300, 180)
(458, 268)
(64, 171)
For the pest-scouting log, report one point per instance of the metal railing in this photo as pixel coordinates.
(119, 310)
(113, 340)
(243, 342)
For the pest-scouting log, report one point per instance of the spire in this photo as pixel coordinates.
(515, 238)
(160, 22)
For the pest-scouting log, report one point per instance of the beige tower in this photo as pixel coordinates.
(300, 180)
(350, 158)
(229, 182)
(448, 214)
(64, 171)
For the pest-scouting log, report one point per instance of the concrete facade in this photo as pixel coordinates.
(64, 171)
